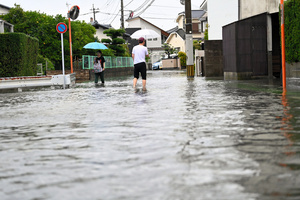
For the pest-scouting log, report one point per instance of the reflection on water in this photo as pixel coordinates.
(182, 139)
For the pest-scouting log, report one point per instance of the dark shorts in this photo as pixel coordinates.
(140, 68)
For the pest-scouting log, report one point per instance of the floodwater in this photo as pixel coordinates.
(180, 140)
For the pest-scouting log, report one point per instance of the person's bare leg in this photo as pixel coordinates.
(134, 82)
(144, 84)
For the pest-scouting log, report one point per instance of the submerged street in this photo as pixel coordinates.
(182, 139)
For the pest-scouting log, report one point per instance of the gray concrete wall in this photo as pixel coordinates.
(86, 74)
(249, 8)
(213, 60)
(293, 76)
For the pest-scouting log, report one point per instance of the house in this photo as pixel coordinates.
(154, 46)
(219, 14)
(5, 26)
(100, 28)
(4, 9)
(177, 34)
(177, 38)
(246, 33)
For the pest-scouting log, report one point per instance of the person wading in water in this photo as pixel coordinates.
(99, 67)
(139, 54)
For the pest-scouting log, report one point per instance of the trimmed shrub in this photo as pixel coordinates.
(18, 55)
(292, 30)
(182, 57)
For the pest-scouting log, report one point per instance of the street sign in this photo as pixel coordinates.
(61, 27)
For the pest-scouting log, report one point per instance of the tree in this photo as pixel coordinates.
(196, 45)
(43, 27)
(169, 49)
(206, 32)
(116, 43)
(182, 57)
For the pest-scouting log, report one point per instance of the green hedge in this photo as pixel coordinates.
(18, 55)
(292, 30)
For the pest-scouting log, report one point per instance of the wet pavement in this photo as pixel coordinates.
(182, 139)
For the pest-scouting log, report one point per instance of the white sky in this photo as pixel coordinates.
(165, 10)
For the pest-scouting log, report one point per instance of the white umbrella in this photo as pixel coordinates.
(145, 33)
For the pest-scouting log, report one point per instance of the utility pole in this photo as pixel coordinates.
(189, 40)
(122, 15)
(283, 46)
(94, 10)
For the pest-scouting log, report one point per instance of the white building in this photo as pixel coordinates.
(100, 28)
(4, 9)
(154, 45)
(5, 26)
(220, 13)
(255, 7)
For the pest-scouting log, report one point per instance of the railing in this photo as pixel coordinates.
(110, 62)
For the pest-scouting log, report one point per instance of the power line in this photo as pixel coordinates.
(129, 3)
(146, 8)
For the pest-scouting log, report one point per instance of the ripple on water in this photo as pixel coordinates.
(201, 139)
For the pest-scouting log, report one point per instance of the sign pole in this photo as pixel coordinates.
(63, 59)
(283, 47)
(70, 37)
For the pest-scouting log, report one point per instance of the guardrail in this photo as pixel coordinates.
(110, 62)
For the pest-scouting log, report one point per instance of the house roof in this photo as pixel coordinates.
(162, 31)
(196, 14)
(179, 32)
(97, 25)
(172, 30)
(3, 6)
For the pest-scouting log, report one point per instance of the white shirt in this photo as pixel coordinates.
(140, 53)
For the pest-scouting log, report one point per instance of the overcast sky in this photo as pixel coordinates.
(162, 13)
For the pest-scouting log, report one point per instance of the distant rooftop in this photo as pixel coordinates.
(6, 7)
(196, 14)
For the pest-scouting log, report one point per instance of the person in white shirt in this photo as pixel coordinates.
(139, 54)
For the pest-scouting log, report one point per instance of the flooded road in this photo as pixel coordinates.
(182, 139)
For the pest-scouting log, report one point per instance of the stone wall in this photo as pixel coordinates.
(213, 60)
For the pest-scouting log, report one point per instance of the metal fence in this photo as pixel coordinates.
(110, 62)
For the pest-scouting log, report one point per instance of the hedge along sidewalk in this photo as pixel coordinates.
(292, 30)
(18, 55)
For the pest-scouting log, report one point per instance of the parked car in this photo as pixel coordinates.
(157, 65)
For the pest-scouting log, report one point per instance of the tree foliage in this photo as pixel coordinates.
(292, 30)
(116, 43)
(43, 27)
(169, 49)
(182, 57)
(196, 45)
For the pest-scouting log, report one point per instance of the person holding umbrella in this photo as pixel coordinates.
(99, 67)
(139, 54)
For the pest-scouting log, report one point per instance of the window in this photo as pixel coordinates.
(154, 39)
(150, 39)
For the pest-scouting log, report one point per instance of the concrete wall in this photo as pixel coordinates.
(249, 8)
(293, 76)
(170, 64)
(88, 75)
(220, 13)
(213, 60)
